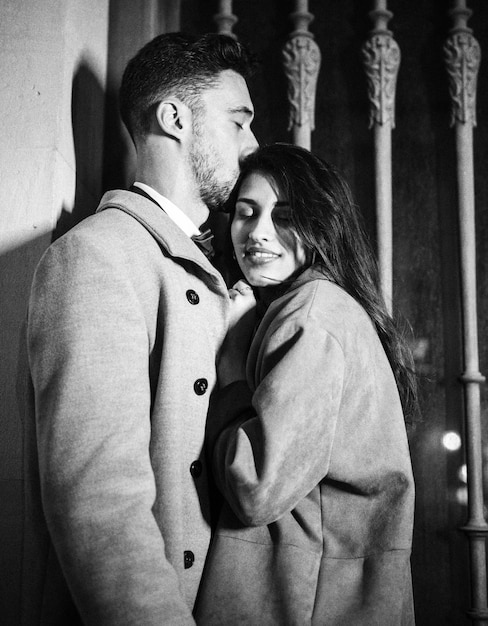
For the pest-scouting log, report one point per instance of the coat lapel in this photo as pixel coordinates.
(161, 227)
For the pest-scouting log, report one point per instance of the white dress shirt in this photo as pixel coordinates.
(179, 218)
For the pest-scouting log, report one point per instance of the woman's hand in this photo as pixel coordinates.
(233, 355)
(242, 305)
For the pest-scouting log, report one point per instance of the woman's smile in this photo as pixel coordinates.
(259, 256)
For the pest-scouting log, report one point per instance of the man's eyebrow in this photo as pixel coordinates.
(243, 109)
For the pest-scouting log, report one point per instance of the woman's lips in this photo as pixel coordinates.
(260, 256)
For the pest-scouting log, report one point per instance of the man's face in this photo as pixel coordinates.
(222, 137)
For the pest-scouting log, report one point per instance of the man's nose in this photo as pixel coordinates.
(250, 145)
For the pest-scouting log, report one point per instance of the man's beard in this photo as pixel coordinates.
(205, 164)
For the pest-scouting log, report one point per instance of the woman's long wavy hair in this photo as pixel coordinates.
(328, 224)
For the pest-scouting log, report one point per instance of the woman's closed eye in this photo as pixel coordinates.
(282, 216)
(244, 210)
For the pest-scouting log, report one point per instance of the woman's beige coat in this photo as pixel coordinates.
(313, 459)
(126, 317)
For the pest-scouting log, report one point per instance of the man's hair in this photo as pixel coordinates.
(178, 65)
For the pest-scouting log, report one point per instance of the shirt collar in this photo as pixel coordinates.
(172, 211)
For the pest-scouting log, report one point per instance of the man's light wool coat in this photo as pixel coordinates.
(116, 344)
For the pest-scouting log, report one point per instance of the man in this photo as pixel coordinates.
(125, 320)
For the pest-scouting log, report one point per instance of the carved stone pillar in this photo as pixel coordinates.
(301, 61)
(381, 56)
(462, 56)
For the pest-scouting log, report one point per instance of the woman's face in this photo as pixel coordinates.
(267, 248)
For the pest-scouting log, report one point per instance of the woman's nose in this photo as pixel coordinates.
(262, 229)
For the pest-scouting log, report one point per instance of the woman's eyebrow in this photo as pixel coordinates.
(246, 200)
(279, 204)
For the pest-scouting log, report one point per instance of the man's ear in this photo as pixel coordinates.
(173, 118)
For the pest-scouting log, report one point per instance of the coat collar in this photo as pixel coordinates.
(314, 272)
(308, 275)
(161, 227)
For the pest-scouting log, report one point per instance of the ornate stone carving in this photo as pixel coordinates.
(381, 57)
(301, 57)
(462, 55)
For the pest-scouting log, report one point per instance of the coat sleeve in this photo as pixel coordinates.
(88, 349)
(274, 445)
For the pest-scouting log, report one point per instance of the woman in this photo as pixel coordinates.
(308, 438)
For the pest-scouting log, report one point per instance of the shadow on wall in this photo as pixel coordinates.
(17, 267)
(88, 123)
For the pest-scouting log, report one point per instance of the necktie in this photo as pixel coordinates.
(204, 242)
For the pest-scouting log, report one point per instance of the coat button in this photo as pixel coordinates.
(192, 296)
(188, 558)
(196, 469)
(200, 386)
